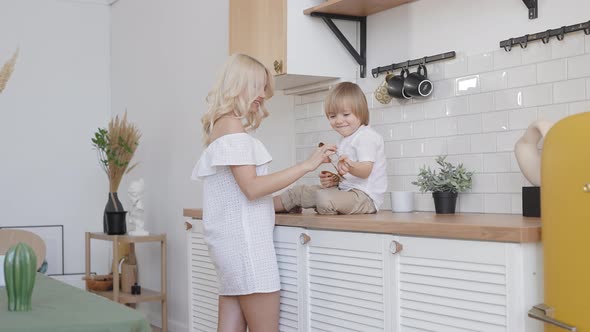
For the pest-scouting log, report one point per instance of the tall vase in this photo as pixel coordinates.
(113, 204)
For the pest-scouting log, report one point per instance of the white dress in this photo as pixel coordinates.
(238, 232)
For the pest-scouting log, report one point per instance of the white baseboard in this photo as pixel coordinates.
(155, 318)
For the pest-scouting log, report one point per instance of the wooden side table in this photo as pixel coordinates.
(146, 294)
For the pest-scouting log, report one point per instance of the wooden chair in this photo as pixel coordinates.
(10, 237)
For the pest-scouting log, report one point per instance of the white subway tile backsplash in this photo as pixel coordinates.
(578, 66)
(456, 67)
(495, 121)
(402, 130)
(481, 103)
(484, 183)
(435, 109)
(424, 128)
(522, 76)
(510, 182)
(535, 52)
(458, 144)
(446, 126)
(469, 124)
(467, 85)
(493, 81)
(468, 202)
(483, 142)
(508, 99)
(503, 59)
(579, 107)
(552, 112)
(537, 95)
(480, 63)
(300, 111)
(457, 106)
(521, 118)
(443, 89)
(497, 203)
(496, 162)
(552, 71)
(571, 90)
(571, 45)
(507, 140)
(412, 112)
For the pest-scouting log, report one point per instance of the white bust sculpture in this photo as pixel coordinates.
(135, 192)
(527, 153)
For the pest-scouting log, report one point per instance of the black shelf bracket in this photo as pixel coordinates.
(410, 63)
(361, 58)
(533, 8)
(545, 35)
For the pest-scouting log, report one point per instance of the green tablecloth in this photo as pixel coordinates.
(61, 307)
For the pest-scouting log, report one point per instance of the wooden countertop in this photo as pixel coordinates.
(467, 226)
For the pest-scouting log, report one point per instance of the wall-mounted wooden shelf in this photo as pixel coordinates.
(354, 7)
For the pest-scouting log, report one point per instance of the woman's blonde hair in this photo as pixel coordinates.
(347, 95)
(236, 88)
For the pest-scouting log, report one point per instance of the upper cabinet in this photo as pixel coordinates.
(297, 48)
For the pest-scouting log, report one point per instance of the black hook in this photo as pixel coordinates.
(508, 47)
(526, 41)
(375, 74)
(587, 29)
(545, 38)
(561, 33)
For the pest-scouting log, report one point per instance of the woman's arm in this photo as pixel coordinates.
(254, 186)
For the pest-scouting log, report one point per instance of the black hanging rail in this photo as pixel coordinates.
(545, 35)
(533, 8)
(360, 57)
(410, 63)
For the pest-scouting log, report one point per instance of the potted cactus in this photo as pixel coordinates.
(444, 184)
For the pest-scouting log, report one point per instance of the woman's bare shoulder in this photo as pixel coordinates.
(225, 126)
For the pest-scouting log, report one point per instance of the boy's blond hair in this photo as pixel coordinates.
(235, 90)
(350, 96)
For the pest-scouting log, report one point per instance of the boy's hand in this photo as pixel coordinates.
(344, 165)
(328, 179)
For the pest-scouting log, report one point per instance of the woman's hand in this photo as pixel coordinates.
(319, 156)
(329, 179)
(344, 165)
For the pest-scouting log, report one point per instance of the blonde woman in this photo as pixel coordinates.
(238, 214)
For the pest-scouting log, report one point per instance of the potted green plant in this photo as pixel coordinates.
(444, 184)
(115, 147)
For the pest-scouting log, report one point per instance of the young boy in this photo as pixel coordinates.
(361, 163)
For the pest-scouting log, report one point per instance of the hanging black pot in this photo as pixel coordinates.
(444, 202)
(113, 205)
(116, 224)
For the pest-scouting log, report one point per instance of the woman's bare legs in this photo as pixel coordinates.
(231, 318)
(261, 311)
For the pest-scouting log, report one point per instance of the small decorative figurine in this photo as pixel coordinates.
(136, 212)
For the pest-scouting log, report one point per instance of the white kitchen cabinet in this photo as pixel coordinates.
(354, 281)
(457, 285)
(298, 49)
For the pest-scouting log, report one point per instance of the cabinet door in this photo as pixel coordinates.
(347, 283)
(290, 249)
(453, 285)
(258, 28)
(203, 287)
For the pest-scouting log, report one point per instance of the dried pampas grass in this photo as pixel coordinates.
(7, 70)
(124, 139)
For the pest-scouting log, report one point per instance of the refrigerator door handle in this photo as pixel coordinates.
(545, 313)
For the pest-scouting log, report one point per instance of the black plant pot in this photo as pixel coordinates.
(444, 202)
(116, 224)
(113, 205)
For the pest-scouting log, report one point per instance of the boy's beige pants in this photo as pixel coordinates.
(327, 200)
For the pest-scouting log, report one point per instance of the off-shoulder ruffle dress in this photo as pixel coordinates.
(238, 232)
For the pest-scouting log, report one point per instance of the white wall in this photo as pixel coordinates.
(165, 58)
(478, 126)
(58, 95)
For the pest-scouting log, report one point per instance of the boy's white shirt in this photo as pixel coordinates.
(365, 144)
